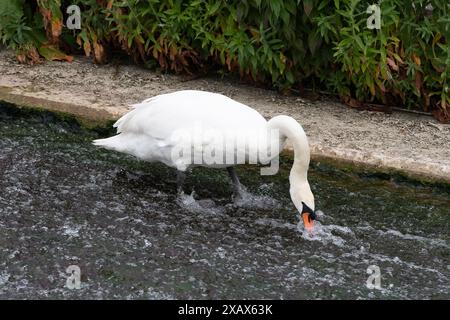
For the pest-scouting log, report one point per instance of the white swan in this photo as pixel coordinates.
(187, 128)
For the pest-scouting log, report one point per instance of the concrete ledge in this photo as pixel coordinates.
(413, 169)
(416, 146)
(87, 114)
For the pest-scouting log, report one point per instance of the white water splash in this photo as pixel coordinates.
(72, 231)
(205, 206)
(4, 278)
(324, 233)
(275, 223)
(432, 242)
(248, 200)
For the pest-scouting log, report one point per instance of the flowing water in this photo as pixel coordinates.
(63, 202)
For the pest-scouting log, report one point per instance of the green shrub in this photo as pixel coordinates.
(406, 62)
(15, 27)
(285, 43)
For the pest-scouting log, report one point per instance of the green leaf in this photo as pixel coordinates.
(336, 4)
(314, 42)
(307, 6)
(51, 53)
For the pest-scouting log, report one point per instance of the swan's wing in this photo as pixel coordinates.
(153, 128)
(160, 116)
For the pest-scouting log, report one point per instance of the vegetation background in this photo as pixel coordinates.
(287, 44)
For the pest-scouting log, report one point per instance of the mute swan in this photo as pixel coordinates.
(188, 128)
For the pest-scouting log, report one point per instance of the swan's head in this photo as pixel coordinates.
(303, 199)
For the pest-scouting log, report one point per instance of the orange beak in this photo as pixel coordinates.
(307, 222)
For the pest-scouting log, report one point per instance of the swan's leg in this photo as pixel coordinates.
(237, 187)
(181, 176)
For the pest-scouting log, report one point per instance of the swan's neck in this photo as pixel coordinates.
(298, 178)
(289, 128)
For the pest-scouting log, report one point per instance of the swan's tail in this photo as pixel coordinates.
(112, 143)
